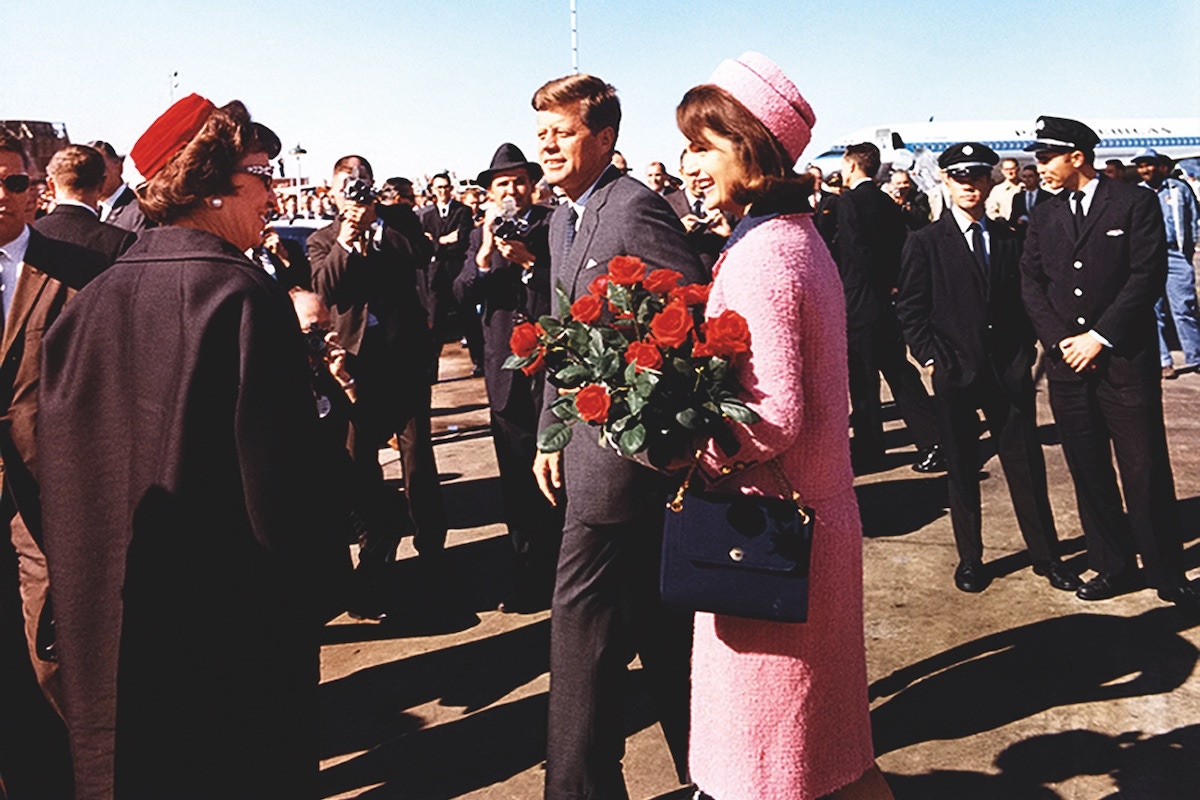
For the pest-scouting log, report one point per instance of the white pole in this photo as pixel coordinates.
(574, 40)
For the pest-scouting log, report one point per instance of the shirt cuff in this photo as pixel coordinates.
(1100, 338)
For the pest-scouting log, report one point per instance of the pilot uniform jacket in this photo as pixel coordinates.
(606, 605)
(1107, 279)
(195, 549)
(954, 315)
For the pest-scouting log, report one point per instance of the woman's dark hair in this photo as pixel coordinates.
(768, 176)
(206, 165)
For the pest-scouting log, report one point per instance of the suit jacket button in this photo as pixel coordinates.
(726, 469)
(1078, 292)
(1080, 320)
(1078, 265)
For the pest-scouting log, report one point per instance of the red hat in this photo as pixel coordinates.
(170, 133)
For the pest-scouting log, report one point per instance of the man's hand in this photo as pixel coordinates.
(449, 238)
(547, 469)
(356, 218)
(516, 252)
(1078, 352)
(691, 222)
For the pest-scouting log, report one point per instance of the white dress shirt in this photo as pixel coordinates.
(12, 257)
(106, 205)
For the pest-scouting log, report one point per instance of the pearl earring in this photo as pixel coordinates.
(216, 202)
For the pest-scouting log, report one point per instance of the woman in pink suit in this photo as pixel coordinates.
(779, 710)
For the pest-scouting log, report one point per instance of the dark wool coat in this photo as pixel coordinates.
(186, 527)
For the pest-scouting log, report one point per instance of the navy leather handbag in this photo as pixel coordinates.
(737, 554)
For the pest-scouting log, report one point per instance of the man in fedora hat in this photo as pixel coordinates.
(1094, 265)
(507, 272)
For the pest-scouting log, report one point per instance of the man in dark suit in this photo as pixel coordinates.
(1026, 200)
(960, 306)
(1094, 265)
(366, 272)
(75, 175)
(707, 231)
(870, 235)
(507, 272)
(824, 206)
(118, 204)
(606, 606)
(38, 275)
(448, 224)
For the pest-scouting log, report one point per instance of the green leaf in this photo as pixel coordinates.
(681, 365)
(610, 364)
(572, 375)
(618, 425)
(550, 325)
(554, 437)
(630, 374)
(595, 342)
(637, 401)
(633, 439)
(564, 300)
(718, 368)
(564, 408)
(516, 362)
(738, 412)
(647, 309)
(688, 418)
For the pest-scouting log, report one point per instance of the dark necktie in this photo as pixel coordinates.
(698, 207)
(569, 238)
(978, 246)
(1077, 196)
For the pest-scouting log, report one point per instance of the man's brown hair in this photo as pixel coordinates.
(76, 168)
(767, 171)
(11, 143)
(866, 156)
(600, 107)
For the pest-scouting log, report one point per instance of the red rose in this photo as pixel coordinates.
(727, 334)
(692, 294)
(538, 365)
(592, 403)
(645, 354)
(702, 350)
(524, 339)
(626, 270)
(587, 308)
(672, 325)
(661, 281)
(599, 285)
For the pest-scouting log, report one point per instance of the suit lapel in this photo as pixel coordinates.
(587, 228)
(962, 259)
(1099, 203)
(30, 285)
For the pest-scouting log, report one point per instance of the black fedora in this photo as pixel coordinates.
(509, 156)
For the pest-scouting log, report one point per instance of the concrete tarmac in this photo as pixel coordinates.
(1019, 693)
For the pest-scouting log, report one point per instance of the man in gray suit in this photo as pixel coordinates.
(606, 606)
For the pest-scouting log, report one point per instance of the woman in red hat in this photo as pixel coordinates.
(779, 710)
(191, 544)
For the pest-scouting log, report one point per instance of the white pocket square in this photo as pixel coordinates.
(1116, 232)
(591, 263)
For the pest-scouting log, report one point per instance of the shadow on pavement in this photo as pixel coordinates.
(1163, 767)
(894, 508)
(1007, 676)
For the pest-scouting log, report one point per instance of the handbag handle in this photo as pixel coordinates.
(676, 503)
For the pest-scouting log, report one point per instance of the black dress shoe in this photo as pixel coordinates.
(930, 460)
(1059, 574)
(1106, 586)
(971, 577)
(1185, 595)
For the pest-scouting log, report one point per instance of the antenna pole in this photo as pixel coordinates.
(574, 40)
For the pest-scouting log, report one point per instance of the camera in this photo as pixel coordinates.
(509, 225)
(315, 342)
(360, 191)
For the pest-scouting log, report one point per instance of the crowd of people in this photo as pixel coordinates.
(233, 388)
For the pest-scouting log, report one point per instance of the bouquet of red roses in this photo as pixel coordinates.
(637, 359)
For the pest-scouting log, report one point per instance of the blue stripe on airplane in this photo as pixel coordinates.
(1021, 144)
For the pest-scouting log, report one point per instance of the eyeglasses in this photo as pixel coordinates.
(263, 171)
(16, 183)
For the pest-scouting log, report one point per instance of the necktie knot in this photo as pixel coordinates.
(1077, 195)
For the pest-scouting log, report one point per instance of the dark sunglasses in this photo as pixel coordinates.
(16, 183)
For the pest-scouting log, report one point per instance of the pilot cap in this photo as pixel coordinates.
(968, 160)
(1063, 135)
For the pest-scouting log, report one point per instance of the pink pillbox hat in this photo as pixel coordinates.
(757, 83)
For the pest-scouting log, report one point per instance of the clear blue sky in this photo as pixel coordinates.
(421, 86)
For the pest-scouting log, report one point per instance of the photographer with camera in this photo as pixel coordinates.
(508, 273)
(366, 272)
